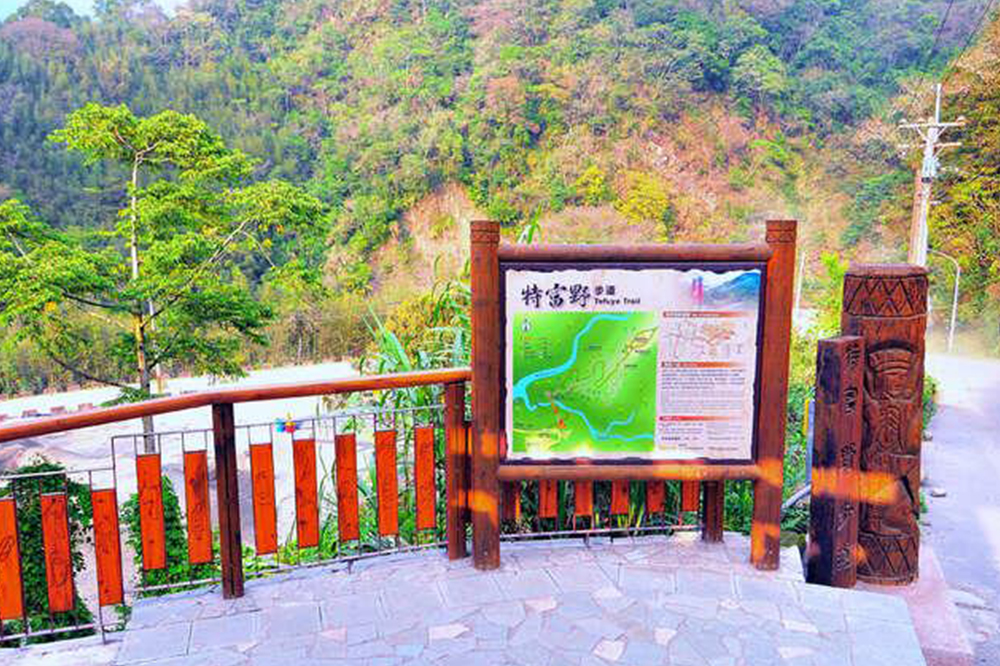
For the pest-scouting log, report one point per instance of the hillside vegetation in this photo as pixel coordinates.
(584, 119)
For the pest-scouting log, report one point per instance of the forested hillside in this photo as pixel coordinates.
(582, 119)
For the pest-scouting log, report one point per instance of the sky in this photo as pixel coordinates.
(8, 7)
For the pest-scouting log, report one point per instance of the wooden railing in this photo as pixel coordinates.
(223, 445)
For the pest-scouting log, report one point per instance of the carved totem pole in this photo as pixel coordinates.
(887, 306)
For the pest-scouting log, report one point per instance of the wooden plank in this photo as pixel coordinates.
(229, 396)
(765, 531)
(583, 498)
(620, 497)
(744, 252)
(713, 510)
(423, 473)
(656, 497)
(387, 480)
(486, 398)
(265, 518)
(674, 471)
(198, 509)
(548, 499)
(456, 469)
(58, 561)
(348, 524)
(152, 536)
(511, 501)
(107, 547)
(11, 587)
(689, 495)
(306, 493)
(227, 493)
(831, 558)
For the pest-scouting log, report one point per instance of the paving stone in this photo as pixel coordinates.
(881, 607)
(139, 645)
(542, 604)
(481, 589)
(505, 613)
(349, 609)
(586, 577)
(643, 580)
(411, 599)
(290, 620)
(446, 631)
(241, 630)
(610, 650)
(525, 584)
(694, 583)
(207, 658)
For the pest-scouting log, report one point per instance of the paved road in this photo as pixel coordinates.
(964, 460)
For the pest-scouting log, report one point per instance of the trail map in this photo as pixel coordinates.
(617, 363)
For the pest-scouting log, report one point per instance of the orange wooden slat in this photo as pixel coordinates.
(347, 487)
(620, 497)
(107, 546)
(306, 499)
(548, 498)
(423, 471)
(510, 502)
(58, 565)
(199, 520)
(583, 498)
(656, 496)
(689, 495)
(265, 519)
(387, 481)
(150, 482)
(11, 590)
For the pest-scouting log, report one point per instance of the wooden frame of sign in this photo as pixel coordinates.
(489, 464)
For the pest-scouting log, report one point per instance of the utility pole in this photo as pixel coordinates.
(930, 131)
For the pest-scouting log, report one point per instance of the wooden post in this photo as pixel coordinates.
(228, 495)
(887, 306)
(713, 508)
(456, 468)
(486, 342)
(765, 534)
(833, 507)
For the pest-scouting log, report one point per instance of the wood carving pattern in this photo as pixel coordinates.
(887, 305)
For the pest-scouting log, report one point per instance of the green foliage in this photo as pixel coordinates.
(29, 526)
(178, 570)
(866, 209)
(645, 199)
(593, 187)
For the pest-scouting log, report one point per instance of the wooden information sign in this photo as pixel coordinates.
(624, 363)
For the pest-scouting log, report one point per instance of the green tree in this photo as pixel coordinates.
(171, 278)
(759, 75)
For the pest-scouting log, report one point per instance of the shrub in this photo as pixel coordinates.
(645, 199)
(592, 186)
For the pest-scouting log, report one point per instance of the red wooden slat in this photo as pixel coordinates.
(265, 519)
(656, 495)
(107, 546)
(347, 487)
(150, 482)
(11, 591)
(548, 498)
(58, 565)
(583, 498)
(423, 445)
(510, 502)
(689, 495)
(619, 498)
(387, 481)
(199, 521)
(306, 501)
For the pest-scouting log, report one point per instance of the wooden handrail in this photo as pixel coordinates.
(62, 423)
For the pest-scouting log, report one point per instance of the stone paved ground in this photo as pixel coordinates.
(646, 601)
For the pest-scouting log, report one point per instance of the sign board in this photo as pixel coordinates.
(645, 361)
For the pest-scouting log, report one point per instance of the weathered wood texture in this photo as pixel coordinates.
(198, 509)
(765, 532)
(58, 562)
(423, 473)
(486, 396)
(11, 587)
(624, 253)
(620, 497)
(228, 499)
(833, 505)
(456, 466)
(107, 546)
(510, 504)
(387, 482)
(673, 471)
(265, 517)
(548, 499)
(151, 529)
(306, 493)
(887, 306)
(690, 491)
(656, 496)
(348, 523)
(583, 499)
(713, 510)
